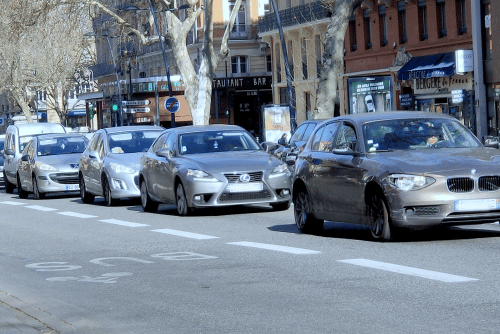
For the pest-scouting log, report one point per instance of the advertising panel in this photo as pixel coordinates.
(370, 94)
(276, 122)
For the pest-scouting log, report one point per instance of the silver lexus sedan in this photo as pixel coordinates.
(393, 170)
(109, 166)
(49, 164)
(211, 166)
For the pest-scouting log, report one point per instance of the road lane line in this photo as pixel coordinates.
(185, 234)
(434, 275)
(13, 203)
(41, 208)
(278, 248)
(75, 214)
(122, 222)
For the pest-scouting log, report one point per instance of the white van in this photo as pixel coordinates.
(16, 137)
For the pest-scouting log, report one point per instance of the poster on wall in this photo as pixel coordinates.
(370, 94)
(276, 122)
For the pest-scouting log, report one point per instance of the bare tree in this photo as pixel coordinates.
(198, 84)
(332, 66)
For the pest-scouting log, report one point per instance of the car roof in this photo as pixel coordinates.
(204, 128)
(57, 135)
(133, 128)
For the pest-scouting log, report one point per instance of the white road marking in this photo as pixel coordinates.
(41, 208)
(75, 214)
(185, 234)
(278, 248)
(122, 222)
(434, 275)
(13, 203)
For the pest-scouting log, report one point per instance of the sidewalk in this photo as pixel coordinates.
(13, 321)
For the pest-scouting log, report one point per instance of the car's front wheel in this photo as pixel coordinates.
(304, 219)
(9, 187)
(106, 189)
(84, 194)
(148, 204)
(22, 193)
(181, 201)
(36, 190)
(380, 225)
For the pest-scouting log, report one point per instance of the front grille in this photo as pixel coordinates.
(227, 197)
(460, 184)
(489, 183)
(64, 178)
(234, 178)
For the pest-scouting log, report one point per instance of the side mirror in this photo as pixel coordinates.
(269, 146)
(9, 152)
(164, 152)
(94, 155)
(25, 158)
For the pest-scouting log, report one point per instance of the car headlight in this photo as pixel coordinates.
(410, 182)
(280, 169)
(200, 175)
(44, 166)
(121, 168)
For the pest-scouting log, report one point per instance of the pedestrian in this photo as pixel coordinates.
(282, 140)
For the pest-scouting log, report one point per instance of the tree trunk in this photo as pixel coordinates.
(25, 108)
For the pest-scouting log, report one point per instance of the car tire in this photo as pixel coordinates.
(106, 189)
(380, 224)
(36, 191)
(22, 193)
(281, 206)
(9, 187)
(304, 219)
(84, 194)
(181, 201)
(148, 205)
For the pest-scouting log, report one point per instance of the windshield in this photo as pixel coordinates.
(61, 145)
(132, 141)
(216, 141)
(412, 134)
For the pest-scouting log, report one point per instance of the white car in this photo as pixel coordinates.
(370, 106)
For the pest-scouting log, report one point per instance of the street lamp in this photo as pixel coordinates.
(120, 108)
(161, 39)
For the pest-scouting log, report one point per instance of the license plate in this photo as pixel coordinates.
(291, 158)
(245, 187)
(477, 204)
(71, 187)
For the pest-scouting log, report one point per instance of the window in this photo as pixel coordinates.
(402, 22)
(240, 21)
(422, 20)
(382, 25)
(323, 139)
(269, 63)
(441, 18)
(239, 64)
(278, 63)
(304, 58)
(367, 28)
(307, 98)
(318, 54)
(290, 58)
(487, 32)
(352, 33)
(346, 140)
(461, 17)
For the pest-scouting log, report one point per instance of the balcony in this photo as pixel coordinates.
(102, 69)
(311, 12)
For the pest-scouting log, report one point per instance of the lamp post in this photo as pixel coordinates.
(120, 108)
(160, 37)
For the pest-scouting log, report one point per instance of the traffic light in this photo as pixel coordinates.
(114, 105)
(227, 112)
(91, 110)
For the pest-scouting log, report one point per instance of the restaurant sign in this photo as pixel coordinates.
(442, 84)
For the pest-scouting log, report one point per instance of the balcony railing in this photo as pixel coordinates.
(102, 69)
(310, 12)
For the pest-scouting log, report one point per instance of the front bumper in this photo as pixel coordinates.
(54, 182)
(124, 185)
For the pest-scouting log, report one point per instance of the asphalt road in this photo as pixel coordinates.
(69, 267)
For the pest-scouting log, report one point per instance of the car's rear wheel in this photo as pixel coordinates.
(106, 189)
(36, 190)
(148, 204)
(380, 225)
(84, 194)
(9, 187)
(304, 219)
(280, 206)
(181, 201)
(22, 193)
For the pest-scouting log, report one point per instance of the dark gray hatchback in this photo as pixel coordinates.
(395, 170)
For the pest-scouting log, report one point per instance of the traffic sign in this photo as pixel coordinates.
(172, 104)
(134, 110)
(135, 103)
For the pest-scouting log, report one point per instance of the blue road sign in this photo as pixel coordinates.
(172, 104)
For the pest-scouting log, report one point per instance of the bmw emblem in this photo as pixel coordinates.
(473, 171)
(245, 178)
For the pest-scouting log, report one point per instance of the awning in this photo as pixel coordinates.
(437, 65)
(76, 113)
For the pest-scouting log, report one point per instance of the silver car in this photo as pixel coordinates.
(210, 166)
(109, 166)
(49, 164)
(394, 170)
